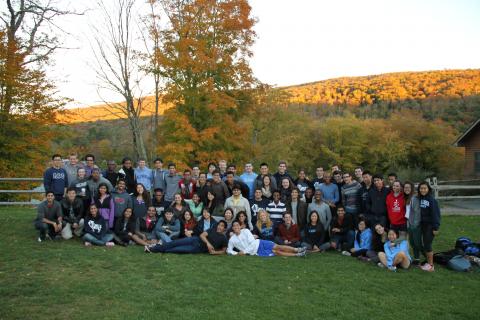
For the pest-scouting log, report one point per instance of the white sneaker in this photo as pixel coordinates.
(110, 244)
(39, 239)
(346, 253)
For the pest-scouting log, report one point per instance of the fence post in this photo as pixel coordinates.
(435, 187)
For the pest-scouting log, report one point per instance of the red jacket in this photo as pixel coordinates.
(291, 234)
(396, 208)
(187, 189)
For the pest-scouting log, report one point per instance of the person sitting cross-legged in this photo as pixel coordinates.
(168, 227)
(314, 239)
(96, 229)
(287, 232)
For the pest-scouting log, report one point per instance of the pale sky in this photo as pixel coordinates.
(310, 40)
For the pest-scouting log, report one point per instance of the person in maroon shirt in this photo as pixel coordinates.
(287, 232)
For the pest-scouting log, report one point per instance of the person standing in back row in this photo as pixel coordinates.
(127, 173)
(351, 197)
(111, 173)
(171, 184)
(376, 203)
(282, 173)
(158, 174)
(55, 178)
(143, 175)
(248, 177)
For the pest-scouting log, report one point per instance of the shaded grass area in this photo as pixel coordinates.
(64, 280)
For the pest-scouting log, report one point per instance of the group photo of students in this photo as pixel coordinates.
(387, 222)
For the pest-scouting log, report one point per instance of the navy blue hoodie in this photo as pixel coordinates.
(97, 226)
(55, 180)
(429, 211)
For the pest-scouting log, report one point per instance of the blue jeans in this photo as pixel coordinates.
(184, 245)
(99, 242)
(165, 237)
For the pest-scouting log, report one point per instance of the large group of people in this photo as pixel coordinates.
(216, 211)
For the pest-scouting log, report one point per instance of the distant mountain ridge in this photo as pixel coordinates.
(362, 91)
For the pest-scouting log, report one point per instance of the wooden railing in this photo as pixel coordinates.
(439, 186)
(40, 190)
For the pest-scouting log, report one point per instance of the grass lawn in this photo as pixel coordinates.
(65, 280)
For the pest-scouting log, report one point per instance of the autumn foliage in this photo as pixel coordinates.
(204, 59)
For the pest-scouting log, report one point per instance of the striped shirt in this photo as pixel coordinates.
(276, 211)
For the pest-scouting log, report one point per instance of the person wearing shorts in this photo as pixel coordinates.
(242, 242)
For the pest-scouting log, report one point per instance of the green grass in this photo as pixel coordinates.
(64, 280)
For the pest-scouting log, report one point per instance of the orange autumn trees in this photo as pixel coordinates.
(204, 60)
(27, 101)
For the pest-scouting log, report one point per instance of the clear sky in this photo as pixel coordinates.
(309, 40)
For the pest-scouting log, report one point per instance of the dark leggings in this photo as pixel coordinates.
(361, 252)
(427, 237)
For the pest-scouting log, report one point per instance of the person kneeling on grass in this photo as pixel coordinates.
(214, 242)
(243, 241)
(49, 220)
(363, 241)
(396, 254)
(168, 227)
(96, 229)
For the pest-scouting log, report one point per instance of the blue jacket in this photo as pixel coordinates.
(55, 180)
(391, 252)
(365, 240)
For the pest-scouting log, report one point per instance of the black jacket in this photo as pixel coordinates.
(72, 211)
(345, 227)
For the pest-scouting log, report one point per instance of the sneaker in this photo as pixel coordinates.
(146, 249)
(427, 267)
(380, 265)
(302, 254)
(302, 249)
(392, 268)
(346, 253)
(110, 244)
(88, 244)
(39, 239)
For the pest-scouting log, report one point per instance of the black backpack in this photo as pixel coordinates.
(443, 257)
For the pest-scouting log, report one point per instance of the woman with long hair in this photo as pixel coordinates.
(140, 201)
(104, 202)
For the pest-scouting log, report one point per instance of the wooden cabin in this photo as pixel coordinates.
(470, 140)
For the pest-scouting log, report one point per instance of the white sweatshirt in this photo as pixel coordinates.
(244, 242)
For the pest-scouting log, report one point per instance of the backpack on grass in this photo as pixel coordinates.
(459, 263)
(468, 246)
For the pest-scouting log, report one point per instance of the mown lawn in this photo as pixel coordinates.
(64, 280)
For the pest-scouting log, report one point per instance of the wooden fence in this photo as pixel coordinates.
(39, 190)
